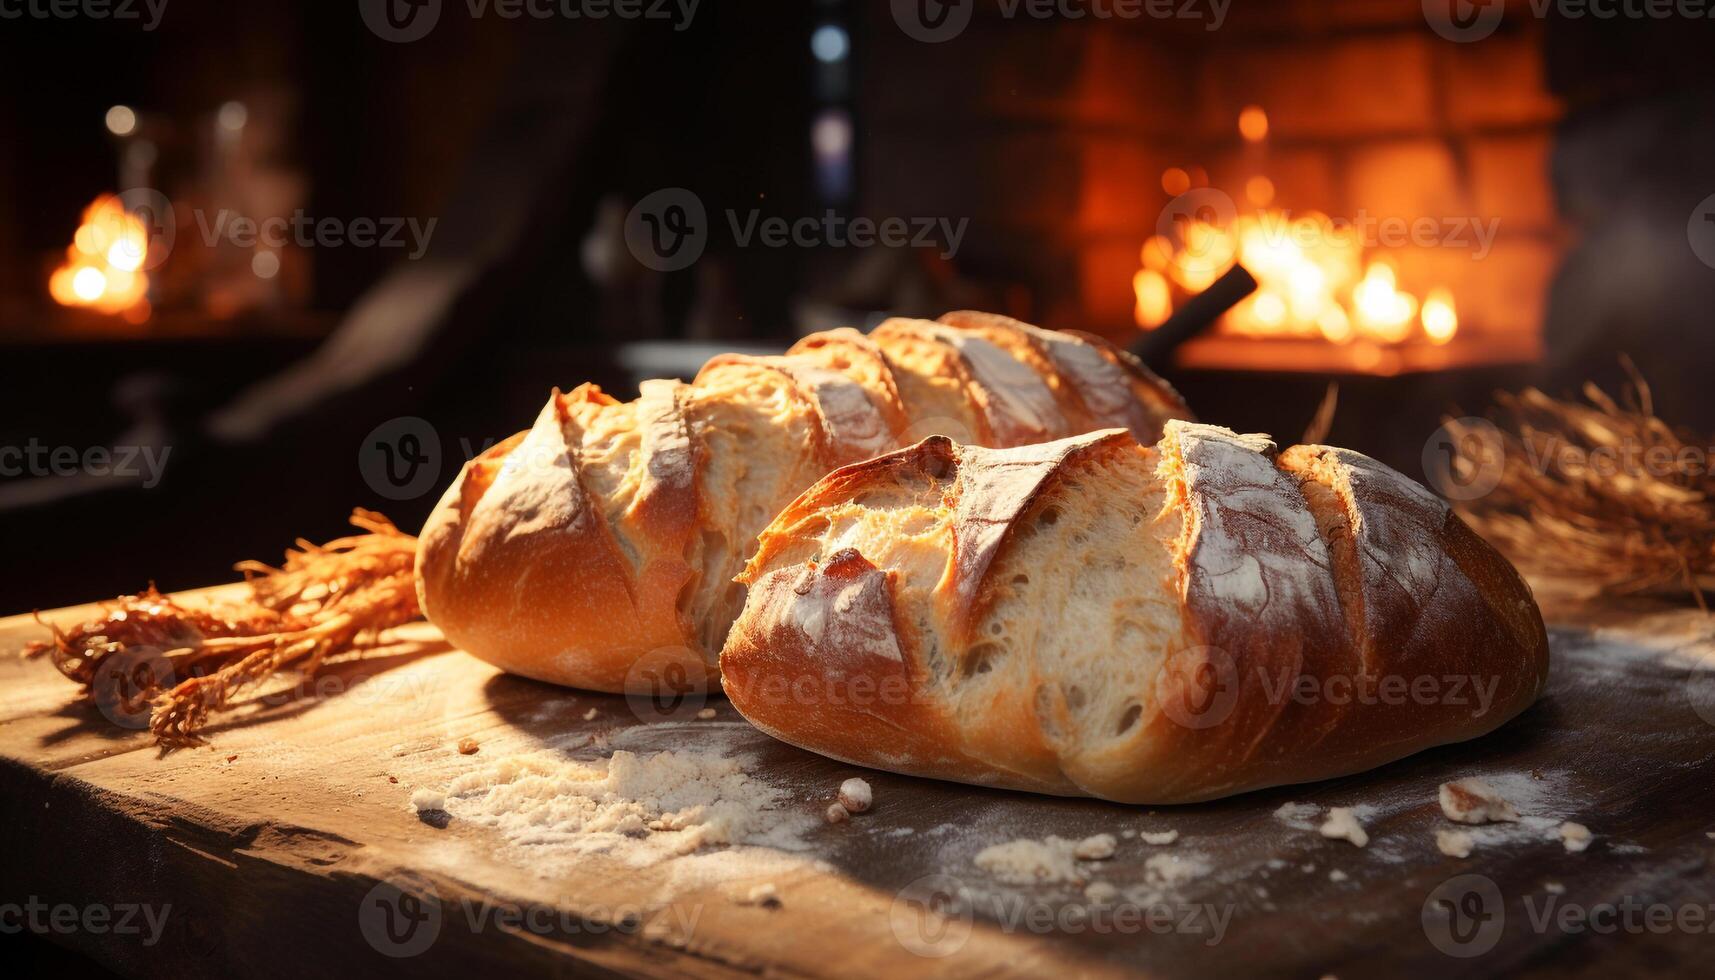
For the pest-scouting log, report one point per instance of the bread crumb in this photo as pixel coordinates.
(425, 800)
(1161, 839)
(1454, 843)
(232, 758)
(1554, 888)
(705, 714)
(1342, 825)
(590, 714)
(468, 746)
(1099, 847)
(1101, 892)
(1337, 875)
(765, 895)
(855, 795)
(1575, 836)
(837, 813)
(1474, 801)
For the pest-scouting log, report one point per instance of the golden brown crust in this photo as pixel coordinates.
(860, 358)
(852, 425)
(1108, 386)
(1326, 615)
(610, 531)
(529, 576)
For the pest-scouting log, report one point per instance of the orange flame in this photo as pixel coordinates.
(103, 270)
(1313, 280)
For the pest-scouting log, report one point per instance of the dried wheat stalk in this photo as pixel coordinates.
(1605, 491)
(332, 598)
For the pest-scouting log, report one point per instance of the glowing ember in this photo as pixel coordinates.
(103, 266)
(1440, 322)
(1313, 279)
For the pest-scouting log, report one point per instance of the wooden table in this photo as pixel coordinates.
(278, 846)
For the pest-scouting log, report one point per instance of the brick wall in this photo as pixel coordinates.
(1051, 135)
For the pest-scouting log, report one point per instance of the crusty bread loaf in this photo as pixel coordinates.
(1159, 624)
(598, 549)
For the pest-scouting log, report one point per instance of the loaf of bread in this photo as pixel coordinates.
(1158, 624)
(598, 549)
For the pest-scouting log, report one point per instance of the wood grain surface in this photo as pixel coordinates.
(288, 844)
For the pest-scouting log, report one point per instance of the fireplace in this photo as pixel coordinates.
(1388, 189)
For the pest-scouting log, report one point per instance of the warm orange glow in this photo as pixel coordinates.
(103, 266)
(1313, 281)
(1259, 191)
(1383, 310)
(1154, 298)
(1175, 181)
(1440, 321)
(1253, 124)
(1157, 253)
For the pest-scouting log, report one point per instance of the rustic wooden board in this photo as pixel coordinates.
(273, 861)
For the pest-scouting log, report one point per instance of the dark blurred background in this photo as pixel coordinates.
(475, 214)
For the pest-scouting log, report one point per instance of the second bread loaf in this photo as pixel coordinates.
(1147, 624)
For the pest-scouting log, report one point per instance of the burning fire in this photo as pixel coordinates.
(1313, 279)
(103, 270)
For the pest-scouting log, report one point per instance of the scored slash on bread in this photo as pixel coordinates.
(1146, 624)
(598, 549)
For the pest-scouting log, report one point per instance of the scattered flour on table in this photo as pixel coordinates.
(1027, 862)
(1060, 861)
(1299, 816)
(700, 809)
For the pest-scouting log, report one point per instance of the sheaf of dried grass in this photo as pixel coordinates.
(1603, 490)
(336, 597)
